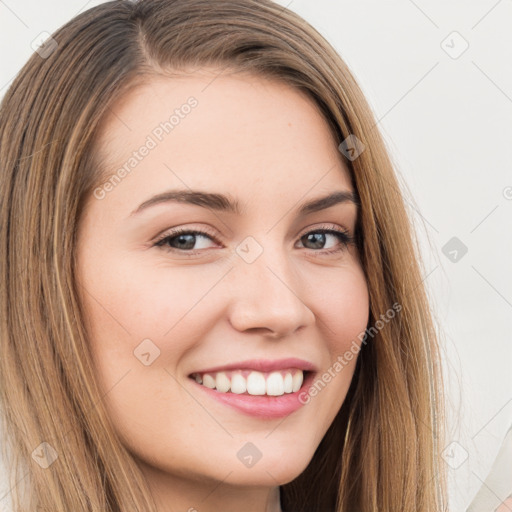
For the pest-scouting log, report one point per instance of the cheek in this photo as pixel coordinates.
(342, 307)
(132, 300)
(342, 313)
(128, 303)
(138, 313)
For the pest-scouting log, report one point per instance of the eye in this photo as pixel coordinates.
(189, 241)
(318, 239)
(184, 239)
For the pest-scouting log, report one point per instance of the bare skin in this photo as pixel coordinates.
(266, 146)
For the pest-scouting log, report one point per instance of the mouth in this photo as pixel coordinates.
(260, 389)
(252, 382)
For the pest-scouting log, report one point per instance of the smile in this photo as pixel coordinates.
(251, 382)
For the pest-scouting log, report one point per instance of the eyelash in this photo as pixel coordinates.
(344, 236)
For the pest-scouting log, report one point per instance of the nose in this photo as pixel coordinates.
(266, 297)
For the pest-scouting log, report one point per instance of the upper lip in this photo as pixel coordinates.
(263, 365)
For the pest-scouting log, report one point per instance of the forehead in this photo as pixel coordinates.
(210, 130)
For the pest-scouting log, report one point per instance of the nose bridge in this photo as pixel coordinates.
(267, 295)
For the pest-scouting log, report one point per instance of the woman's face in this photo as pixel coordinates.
(264, 293)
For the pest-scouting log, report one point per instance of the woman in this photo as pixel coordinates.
(211, 294)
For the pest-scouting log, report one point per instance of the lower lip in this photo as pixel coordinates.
(262, 406)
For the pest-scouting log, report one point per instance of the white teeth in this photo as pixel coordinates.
(297, 381)
(288, 383)
(208, 381)
(276, 383)
(238, 384)
(222, 382)
(256, 384)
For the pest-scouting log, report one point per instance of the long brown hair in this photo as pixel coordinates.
(382, 452)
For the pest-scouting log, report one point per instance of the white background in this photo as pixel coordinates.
(448, 126)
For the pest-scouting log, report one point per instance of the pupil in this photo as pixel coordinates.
(318, 239)
(186, 241)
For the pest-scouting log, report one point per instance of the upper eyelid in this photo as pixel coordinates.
(204, 232)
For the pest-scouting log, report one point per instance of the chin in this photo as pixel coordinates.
(275, 469)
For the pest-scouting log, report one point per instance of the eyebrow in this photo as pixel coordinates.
(223, 203)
